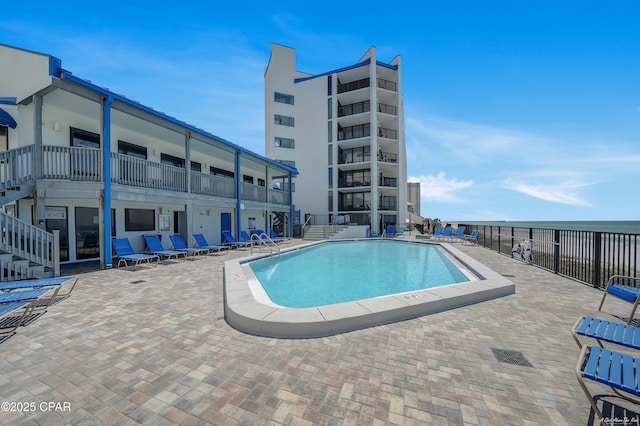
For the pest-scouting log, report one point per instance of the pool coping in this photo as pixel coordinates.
(246, 313)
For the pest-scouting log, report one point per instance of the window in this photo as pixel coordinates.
(139, 220)
(261, 182)
(221, 172)
(170, 160)
(196, 167)
(330, 131)
(329, 109)
(330, 177)
(83, 138)
(330, 154)
(284, 142)
(329, 84)
(132, 150)
(4, 138)
(283, 120)
(283, 98)
(247, 179)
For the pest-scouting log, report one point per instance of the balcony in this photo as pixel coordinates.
(354, 132)
(353, 85)
(389, 204)
(389, 182)
(387, 109)
(353, 183)
(387, 157)
(355, 108)
(387, 133)
(85, 164)
(387, 85)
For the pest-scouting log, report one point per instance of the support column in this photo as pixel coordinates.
(104, 210)
(38, 200)
(291, 212)
(238, 196)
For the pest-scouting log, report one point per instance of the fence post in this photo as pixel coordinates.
(556, 250)
(597, 259)
(56, 253)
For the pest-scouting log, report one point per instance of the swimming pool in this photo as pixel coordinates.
(248, 308)
(345, 271)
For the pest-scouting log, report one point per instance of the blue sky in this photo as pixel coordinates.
(524, 110)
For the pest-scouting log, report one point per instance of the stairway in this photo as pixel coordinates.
(13, 268)
(322, 232)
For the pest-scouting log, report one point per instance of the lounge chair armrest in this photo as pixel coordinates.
(624, 280)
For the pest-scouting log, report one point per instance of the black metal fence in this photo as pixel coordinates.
(587, 256)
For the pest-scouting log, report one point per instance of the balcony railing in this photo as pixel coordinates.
(202, 183)
(15, 167)
(588, 256)
(353, 85)
(352, 183)
(387, 157)
(354, 132)
(249, 191)
(387, 109)
(71, 163)
(390, 182)
(387, 133)
(388, 205)
(387, 85)
(357, 108)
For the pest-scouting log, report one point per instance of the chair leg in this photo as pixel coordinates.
(581, 360)
(602, 301)
(633, 312)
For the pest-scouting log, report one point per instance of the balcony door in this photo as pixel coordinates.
(87, 232)
(81, 167)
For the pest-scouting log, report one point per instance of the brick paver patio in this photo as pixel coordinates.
(152, 346)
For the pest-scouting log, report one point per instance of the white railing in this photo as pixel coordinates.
(72, 163)
(263, 240)
(128, 170)
(278, 197)
(16, 167)
(202, 183)
(249, 191)
(29, 242)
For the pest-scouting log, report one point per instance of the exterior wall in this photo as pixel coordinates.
(32, 68)
(413, 196)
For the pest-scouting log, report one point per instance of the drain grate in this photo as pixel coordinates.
(511, 357)
(138, 282)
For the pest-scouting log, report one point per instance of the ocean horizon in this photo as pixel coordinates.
(614, 226)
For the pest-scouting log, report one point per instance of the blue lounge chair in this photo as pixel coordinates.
(400, 232)
(607, 331)
(40, 283)
(471, 239)
(125, 253)
(179, 245)
(274, 237)
(201, 241)
(245, 237)
(389, 231)
(155, 247)
(228, 239)
(623, 287)
(617, 370)
(459, 235)
(445, 234)
(40, 298)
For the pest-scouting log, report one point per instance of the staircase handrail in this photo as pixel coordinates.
(16, 166)
(30, 242)
(306, 225)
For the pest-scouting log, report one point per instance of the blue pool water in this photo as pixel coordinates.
(338, 272)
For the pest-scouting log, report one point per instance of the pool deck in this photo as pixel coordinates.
(152, 346)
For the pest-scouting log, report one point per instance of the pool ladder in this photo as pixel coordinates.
(263, 239)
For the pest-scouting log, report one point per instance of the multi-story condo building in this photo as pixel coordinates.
(344, 129)
(80, 161)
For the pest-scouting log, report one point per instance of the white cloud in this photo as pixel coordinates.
(440, 188)
(562, 193)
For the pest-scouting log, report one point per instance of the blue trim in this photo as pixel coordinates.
(6, 119)
(391, 67)
(238, 197)
(106, 161)
(8, 101)
(55, 68)
(66, 75)
(350, 67)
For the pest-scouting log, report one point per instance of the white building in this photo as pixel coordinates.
(92, 164)
(344, 130)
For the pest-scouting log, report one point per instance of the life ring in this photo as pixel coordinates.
(522, 250)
